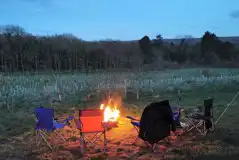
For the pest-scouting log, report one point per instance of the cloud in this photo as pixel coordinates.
(234, 14)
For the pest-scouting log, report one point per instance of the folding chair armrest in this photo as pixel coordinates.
(135, 123)
(132, 119)
(58, 125)
(66, 121)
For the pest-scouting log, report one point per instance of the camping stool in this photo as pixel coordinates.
(90, 122)
(47, 124)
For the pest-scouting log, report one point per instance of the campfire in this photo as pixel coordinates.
(111, 114)
(111, 111)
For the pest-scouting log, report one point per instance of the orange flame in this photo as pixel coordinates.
(111, 114)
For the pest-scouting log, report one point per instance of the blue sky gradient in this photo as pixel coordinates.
(123, 19)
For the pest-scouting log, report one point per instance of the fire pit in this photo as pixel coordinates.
(111, 114)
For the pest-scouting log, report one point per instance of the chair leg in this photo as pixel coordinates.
(53, 142)
(105, 142)
(196, 126)
(43, 136)
(38, 141)
(54, 149)
(60, 135)
(203, 125)
(137, 129)
(82, 143)
(92, 141)
(192, 125)
(153, 146)
(135, 140)
(167, 140)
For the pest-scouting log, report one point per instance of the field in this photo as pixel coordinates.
(20, 93)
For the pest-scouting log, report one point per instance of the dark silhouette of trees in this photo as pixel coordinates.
(225, 50)
(209, 43)
(22, 51)
(146, 48)
(212, 46)
(12, 30)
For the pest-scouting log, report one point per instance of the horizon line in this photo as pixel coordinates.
(182, 36)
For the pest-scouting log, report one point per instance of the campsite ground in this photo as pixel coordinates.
(17, 120)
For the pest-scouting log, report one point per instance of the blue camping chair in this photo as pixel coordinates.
(46, 124)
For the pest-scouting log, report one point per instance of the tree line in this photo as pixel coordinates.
(21, 51)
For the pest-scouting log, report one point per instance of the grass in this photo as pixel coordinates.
(19, 93)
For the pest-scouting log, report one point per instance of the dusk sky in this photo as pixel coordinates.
(123, 19)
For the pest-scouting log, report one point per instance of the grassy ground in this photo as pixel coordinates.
(17, 118)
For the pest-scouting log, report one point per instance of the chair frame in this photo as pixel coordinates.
(96, 134)
(45, 134)
(196, 123)
(132, 121)
(166, 140)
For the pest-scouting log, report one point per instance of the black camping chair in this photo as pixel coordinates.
(205, 122)
(176, 117)
(156, 123)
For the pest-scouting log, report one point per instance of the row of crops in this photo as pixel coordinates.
(38, 86)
